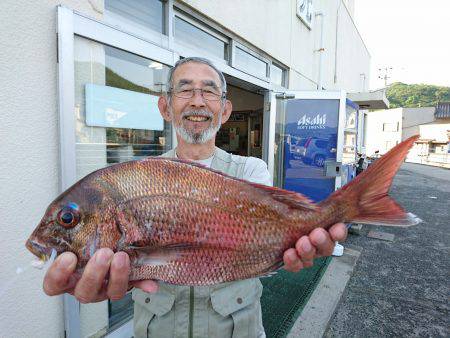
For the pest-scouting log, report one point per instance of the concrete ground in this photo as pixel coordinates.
(319, 310)
(402, 288)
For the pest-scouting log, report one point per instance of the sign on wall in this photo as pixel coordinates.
(119, 108)
(305, 11)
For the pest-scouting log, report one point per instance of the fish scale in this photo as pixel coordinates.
(185, 224)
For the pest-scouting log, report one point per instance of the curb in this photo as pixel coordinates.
(318, 312)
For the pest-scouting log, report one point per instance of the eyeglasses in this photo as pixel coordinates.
(207, 94)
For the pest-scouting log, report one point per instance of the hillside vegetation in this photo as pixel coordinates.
(416, 95)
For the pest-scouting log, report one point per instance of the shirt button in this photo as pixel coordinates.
(239, 300)
(147, 300)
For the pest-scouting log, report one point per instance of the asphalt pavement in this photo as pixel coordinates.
(402, 288)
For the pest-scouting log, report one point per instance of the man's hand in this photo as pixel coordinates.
(318, 243)
(104, 277)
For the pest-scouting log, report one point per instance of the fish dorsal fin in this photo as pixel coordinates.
(290, 198)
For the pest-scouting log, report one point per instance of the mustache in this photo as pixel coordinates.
(206, 113)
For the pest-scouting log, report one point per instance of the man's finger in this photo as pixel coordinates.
(118, 276)
(58, 279)
(338, 232)
(146, 285)
(292, 262)
(322, 241)
(91, 283)
(305, 249)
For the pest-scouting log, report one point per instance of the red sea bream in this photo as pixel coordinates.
(185, 224)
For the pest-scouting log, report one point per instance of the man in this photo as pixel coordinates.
(196, 105)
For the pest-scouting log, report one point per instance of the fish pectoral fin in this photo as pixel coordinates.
(161, 255)
(158, 257)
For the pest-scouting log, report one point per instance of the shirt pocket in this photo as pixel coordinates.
(152, 308)
(239, 306)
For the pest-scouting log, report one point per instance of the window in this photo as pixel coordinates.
(107, 79)
(388, 146)
(189, 34)
(249, 63)
(277, 75)
(142, 14)
(392, 126)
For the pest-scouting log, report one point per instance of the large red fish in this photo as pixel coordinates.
(185, 224)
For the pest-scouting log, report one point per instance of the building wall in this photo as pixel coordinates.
(280, 33)
(415, 116)
(376, 138)
(30, 161)
(436, 131)
(413, 121)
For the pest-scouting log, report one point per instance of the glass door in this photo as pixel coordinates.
(308, 142)
(117, 120)
(109, 83)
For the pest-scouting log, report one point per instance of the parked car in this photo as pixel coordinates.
(298, 147)
(317, 150)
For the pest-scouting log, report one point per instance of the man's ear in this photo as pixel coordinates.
(163, 106)
(228, 108)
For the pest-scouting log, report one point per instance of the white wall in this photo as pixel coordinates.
(280, 33)
(30, 161)
(435, 131)
(415, 116)
(376, 138)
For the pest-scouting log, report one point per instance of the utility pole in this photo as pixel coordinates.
(384, 74)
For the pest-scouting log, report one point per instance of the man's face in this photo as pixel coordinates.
(196, 120)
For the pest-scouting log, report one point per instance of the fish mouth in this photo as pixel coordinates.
(39, 250)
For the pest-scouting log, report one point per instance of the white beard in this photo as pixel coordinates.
(202, 137)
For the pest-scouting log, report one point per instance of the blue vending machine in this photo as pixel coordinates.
(315, 137)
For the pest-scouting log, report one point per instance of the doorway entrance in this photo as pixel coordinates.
(242, 133)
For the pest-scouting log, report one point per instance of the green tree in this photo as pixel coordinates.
(416, 95)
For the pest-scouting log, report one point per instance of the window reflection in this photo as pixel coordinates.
(108, 66)
(144, 13)
(276, 75)
(250, 64)
(191, 35)
(97, 147)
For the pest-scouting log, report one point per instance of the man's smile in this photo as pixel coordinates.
(197, 118)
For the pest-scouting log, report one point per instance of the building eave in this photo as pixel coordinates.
(370, 100)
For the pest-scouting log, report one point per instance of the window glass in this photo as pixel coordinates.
(193, 36)
(250, 64)
(96, 147)
(276, 75)
(142, 13)
(393, 126)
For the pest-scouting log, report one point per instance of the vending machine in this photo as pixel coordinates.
(315, 142)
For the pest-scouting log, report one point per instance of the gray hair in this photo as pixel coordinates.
(223, 84)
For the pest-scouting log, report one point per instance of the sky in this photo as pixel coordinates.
(410, 36)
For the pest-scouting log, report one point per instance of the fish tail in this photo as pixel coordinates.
(365, 199)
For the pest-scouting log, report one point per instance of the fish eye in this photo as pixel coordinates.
(68, 216)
